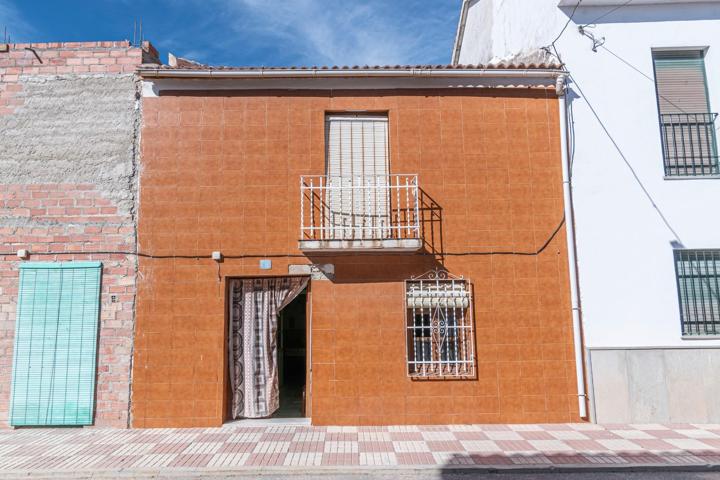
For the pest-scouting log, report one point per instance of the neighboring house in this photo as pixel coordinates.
(69, 117)
(405, 222)
(648, 242)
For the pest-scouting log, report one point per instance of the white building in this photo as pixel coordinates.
(646, 192)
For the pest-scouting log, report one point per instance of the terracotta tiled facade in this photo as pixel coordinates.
(221, 172)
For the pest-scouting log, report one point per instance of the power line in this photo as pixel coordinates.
(627, 162)
(562, 31)
(538, 251)
(647, 77)
(608, 13)
(572, 14)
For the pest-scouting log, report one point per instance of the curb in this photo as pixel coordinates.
(394, 471)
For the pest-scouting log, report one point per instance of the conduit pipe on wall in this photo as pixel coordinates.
(572, 258)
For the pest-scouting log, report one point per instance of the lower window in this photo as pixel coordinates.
(56, 335)
(440, 341)
(698, 280)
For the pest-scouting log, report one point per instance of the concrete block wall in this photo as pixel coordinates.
(69, 119)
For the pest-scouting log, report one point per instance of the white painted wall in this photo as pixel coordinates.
(627, 276)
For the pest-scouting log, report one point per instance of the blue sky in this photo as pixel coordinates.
(252, 32)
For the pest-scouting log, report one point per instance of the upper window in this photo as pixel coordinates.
(357, 176)
(687, 125)
(440, 342)
(698, 279)
(358, 205)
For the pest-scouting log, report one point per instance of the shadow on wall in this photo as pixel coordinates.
(394, 267)
(377, 268)
(643, 13)
(431, 227)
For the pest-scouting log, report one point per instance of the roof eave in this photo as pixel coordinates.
(146, 72)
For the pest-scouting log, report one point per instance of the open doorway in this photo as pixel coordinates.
(267, 347)
(292, 354)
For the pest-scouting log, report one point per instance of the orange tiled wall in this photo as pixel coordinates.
(222, 173)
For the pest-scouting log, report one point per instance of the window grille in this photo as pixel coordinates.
(687, 126)
(698, 279)
(440, 340)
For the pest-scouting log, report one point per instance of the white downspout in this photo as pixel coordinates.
(572, 259)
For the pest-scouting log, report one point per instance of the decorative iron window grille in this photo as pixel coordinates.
(698, 280)
(440, 340)
(689, 145)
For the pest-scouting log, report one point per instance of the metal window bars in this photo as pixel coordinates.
(689, 144)
(359, 207)
(698, 281)
(440, 340)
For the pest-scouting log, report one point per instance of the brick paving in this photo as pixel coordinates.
(243, 447)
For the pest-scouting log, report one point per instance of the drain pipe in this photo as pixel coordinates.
(572, 258)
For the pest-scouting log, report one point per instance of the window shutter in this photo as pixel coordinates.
(55, 344)
(680, 81)
(357, 145)
(357, 175)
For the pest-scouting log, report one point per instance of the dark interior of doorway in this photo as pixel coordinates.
(292, 352)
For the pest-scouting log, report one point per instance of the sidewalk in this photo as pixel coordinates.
(241, 448)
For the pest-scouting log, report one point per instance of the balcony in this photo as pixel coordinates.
(689, 144)
(369, 213)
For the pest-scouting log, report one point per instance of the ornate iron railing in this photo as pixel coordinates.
(367, 207)
(440, 340)
(689, 144)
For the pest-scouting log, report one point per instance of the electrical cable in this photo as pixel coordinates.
(649, 78)
(552, 44)
(628, 2)
(572, 14)
(627, 162)
(542, 248)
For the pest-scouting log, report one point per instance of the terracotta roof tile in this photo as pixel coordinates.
(494, 66)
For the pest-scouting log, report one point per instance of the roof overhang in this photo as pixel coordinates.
(163, 79)
(420, 72)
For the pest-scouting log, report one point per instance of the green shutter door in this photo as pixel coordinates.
(56, 344)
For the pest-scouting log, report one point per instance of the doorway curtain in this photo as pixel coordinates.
(255, 304)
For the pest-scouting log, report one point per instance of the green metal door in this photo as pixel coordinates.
(55, 344)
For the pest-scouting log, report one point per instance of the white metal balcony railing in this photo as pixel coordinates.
(359, 212)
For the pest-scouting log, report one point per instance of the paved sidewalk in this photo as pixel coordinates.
(241, 448)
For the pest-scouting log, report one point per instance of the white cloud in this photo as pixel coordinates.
(348, 31)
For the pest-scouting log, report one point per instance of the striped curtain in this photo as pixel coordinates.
(255, 305)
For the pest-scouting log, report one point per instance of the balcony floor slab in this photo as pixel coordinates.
(361, 246)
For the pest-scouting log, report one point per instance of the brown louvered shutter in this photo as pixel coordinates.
(686, 124)
(680, 80)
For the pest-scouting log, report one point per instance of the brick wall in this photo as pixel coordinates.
(72, 219)
(221, 172)
(67, 187)
(65, 58)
